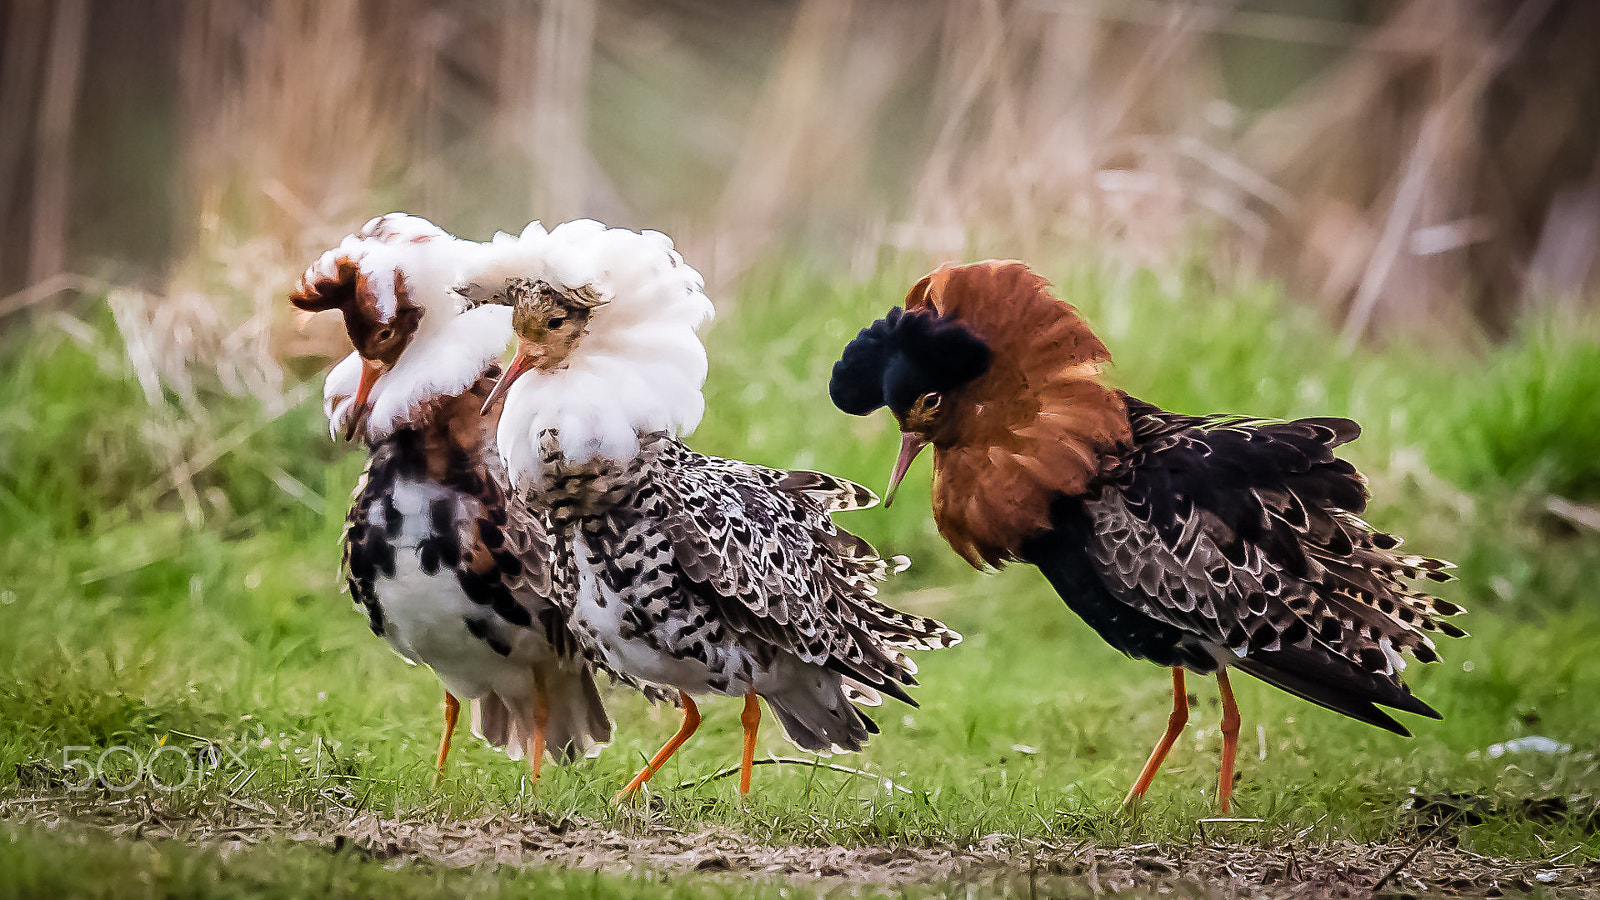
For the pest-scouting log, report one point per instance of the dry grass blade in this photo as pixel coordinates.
(1447, 127)
(885, 783)
(1412, 854)
(1576, 513)
(48, 289)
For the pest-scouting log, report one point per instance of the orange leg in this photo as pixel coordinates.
(1175, 723)
(691, 721)
(452, 712)
(541, 719)
(1230, 738)
(751, 720)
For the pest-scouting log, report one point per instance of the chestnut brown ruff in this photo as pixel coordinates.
(456, 430)
(1036, 425)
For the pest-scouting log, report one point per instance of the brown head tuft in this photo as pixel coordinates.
(1035, 425)
(339, 283)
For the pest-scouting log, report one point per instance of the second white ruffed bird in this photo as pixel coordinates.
(689, 572)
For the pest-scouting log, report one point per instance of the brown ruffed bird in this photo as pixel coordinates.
(1199, 543)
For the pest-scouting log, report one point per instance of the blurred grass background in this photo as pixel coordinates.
(1385, 211)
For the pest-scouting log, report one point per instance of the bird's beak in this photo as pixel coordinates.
(371, 370)
(911, 444)
(520, 364)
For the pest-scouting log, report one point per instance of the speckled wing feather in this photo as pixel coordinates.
(564, 593)
(510, 529)
(761, 543)
(1245, 534)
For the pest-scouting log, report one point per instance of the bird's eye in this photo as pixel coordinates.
(384, 335)
(556, 322)
(930, 401)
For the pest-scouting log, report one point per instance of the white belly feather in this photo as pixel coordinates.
(425, 616)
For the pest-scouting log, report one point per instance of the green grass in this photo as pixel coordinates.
(137, 609)
(90, 865)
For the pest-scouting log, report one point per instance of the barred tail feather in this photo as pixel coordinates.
(810, 703)
(903, 630)
(577, 725)
(491, 721)
(833, 494)
(1335, 683)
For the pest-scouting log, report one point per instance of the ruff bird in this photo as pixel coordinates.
(680, 571)
(1199, 543)
(451, 568)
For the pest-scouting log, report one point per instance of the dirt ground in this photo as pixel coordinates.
(1006, 865)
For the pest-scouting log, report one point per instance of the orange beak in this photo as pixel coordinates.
(520, 364)
(371, 369)
(910, 445)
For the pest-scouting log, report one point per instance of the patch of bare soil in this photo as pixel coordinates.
(1015, 866)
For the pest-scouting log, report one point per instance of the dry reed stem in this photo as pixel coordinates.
(805, 148)
(52, 186)
(1448, 126)
(20, 70)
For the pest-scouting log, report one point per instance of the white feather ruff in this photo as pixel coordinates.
(339, 392)
(391, 245)
(449, 351)
(639, 367)
(441, 362)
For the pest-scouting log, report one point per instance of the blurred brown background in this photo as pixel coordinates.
(1412, 166)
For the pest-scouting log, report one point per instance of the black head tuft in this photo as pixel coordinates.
(857, 383)
(903, 356)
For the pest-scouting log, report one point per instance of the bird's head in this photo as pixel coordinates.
(1004, 381)
(548, 321)
(918, 365)
(385, 280)
(378, 339)
(608, 349)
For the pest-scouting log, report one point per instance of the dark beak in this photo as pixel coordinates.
(520, 364)
(371, 370)
(910, 445)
